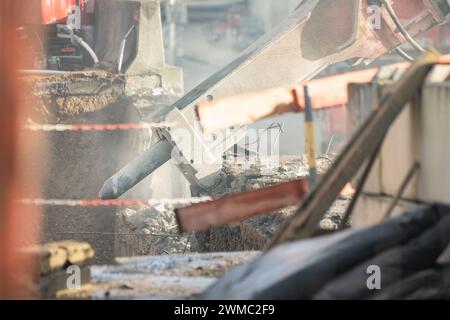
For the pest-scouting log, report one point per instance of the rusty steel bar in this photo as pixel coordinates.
(359, 188)
(241, 206)
(401, 190)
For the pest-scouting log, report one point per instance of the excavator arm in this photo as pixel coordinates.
(317, 34)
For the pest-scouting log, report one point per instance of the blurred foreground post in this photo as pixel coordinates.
(18, 227)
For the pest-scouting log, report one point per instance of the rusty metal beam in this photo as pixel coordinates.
(304, 223)
(241, 206)
(250, 107)
(247, 108)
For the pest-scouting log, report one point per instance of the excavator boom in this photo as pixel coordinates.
(317, 34)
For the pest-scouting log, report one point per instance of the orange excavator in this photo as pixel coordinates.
(62, 33)
(68, 30)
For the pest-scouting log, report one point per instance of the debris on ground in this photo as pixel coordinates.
(155, 231)
(73, 93)
(255, 233)
(163, 277)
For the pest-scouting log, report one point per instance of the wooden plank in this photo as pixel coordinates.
(56, 256)
(49, 258)
(241, 206)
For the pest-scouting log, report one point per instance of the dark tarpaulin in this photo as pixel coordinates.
(299, 270)
(427, 284)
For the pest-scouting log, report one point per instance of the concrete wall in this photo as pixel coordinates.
(421, 134)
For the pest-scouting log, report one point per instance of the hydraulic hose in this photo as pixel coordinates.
(83, 43)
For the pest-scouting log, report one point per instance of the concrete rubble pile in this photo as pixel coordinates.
(255, 233)
(156, 229)
(153, 231)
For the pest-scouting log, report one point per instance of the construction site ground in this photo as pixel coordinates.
(162, 277)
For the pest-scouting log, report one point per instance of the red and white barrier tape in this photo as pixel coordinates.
(112, 203)
(98, 127)
(162, 235)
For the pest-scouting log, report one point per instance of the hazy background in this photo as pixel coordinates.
(205, 35)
